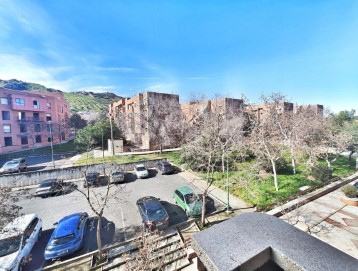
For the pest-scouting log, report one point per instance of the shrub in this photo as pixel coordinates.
(321, 173)
(281, 165)
(350, 191)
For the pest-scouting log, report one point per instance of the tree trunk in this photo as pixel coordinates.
(203, 210)
(161, 149)
(274, 173)
(223, 162)
(99, 241)
(329, 164)
(293, 161)
(350, 155)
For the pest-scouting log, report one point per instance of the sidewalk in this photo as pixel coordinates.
(100, 153)
(217, 193)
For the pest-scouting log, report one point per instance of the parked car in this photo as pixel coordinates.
(117, 177)
(164, 167)
(16, 165)
(188, 200)
(67, 237)
(17, 240)
(141, 171)
(52, 187)
(91, 179)
(153, 214)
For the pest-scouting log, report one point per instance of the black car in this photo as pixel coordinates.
(91, 179)
(51, 187)
(153, 214)
(164, 168)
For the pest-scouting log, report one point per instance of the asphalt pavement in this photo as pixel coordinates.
(121, 218)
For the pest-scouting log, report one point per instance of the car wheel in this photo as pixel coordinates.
(39, 235)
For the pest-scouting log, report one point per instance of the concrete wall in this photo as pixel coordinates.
(36, 177)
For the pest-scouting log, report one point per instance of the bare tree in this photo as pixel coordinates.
(213, 137)
(98, 198)
(266, 135)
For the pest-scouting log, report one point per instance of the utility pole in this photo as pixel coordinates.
(110, 122)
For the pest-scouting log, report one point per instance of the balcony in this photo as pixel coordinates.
(31, 119)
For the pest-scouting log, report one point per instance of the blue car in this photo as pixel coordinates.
(67, 237)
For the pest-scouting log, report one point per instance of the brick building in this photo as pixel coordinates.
(138, 115)
(28, 119)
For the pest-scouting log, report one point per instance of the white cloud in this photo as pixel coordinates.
(19, 67)
(118, 69)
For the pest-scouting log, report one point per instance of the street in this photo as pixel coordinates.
(121, 218)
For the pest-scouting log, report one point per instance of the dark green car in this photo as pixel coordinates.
(190, 202)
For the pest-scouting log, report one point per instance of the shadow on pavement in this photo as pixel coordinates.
(37, 253)
(129, 177)
(152, 173)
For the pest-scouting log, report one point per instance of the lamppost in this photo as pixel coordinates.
(51, 139)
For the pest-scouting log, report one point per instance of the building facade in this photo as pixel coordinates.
(138, 116)
(32, 119)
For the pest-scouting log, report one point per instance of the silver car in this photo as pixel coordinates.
(16, 165)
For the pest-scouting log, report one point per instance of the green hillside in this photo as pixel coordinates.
(14, 84)
(79, 101)
(89, 101)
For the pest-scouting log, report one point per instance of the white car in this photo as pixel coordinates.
(141, 171)
(17, 240)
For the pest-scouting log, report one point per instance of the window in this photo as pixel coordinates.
(7, 128)
(36, 116)
(36, 104)
(23, 128)
(8, 141)
(22, 116)
(5, 115)
(38, 139)
(37, 127)
(48, 117)
(4, 100)
(24, 140)
(49, 139)
(49, 105)
(19, 101)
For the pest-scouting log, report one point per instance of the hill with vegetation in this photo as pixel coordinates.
(83, 101)
(80, 101)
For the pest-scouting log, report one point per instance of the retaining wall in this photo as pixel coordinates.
(76, 172)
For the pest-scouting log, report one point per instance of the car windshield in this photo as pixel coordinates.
(141, 168)
(63, 240)
(167, 166)
(46, 184)
(117, 174)
(10, 245)
(191, 198)
(11, 163)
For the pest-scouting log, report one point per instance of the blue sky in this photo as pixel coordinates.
(307, 50)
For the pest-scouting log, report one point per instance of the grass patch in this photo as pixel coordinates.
(88, 158)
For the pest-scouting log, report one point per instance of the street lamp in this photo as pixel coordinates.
(51, 139)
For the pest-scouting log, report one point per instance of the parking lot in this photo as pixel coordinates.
(121, 218)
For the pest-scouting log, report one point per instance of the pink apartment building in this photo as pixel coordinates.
(30, 119)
